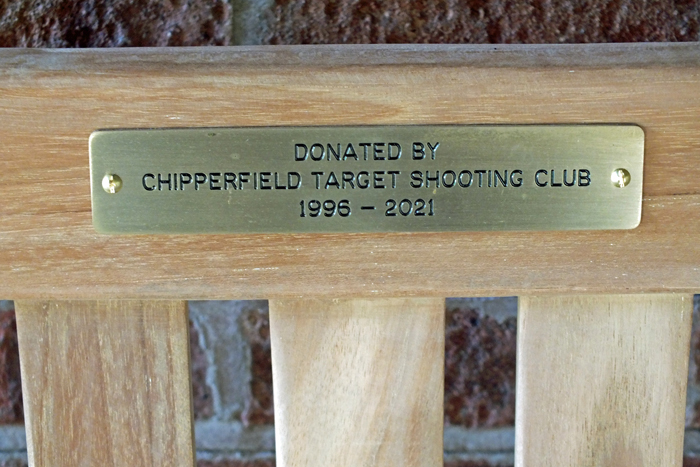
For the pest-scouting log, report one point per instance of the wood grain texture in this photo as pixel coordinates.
(51, 100)
(601, 380)
(106, 383)
(358, 382)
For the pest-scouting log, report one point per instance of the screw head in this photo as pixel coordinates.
(620, 178)
(112, 183)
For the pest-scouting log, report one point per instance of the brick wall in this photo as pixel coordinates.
(230, 340)
(111, 23)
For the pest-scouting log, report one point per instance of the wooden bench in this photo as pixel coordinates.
(357, 320)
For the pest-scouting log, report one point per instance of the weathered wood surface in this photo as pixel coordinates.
(51, 100)
(106, 383)
(358, 382)
(601, 380)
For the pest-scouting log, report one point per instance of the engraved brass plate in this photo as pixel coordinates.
(367, 179)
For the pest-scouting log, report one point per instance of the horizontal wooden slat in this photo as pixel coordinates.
(51, 100)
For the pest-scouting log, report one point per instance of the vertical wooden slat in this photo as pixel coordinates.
(601, 380)
(358, 382)
(106, 383)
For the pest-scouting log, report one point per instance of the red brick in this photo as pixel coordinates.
(479, 370)
(691, 462)
(10, 385)
(238, 463)
(259, 409)
(202, 400)
(481, 21)
(96, 23)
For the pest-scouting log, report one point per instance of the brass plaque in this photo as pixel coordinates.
(367, 179)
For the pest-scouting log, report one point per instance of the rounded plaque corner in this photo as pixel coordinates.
(98, 227)
(94, 135)
(636, 222)
(638, 130)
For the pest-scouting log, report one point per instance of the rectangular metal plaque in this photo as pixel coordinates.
(367, 179)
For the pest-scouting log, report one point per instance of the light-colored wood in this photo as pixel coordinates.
(106, 383)
(51, 100)
(358, 382)
(601, 380)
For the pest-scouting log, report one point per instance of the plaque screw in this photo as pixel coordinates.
(112, 183)
(620, 178)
